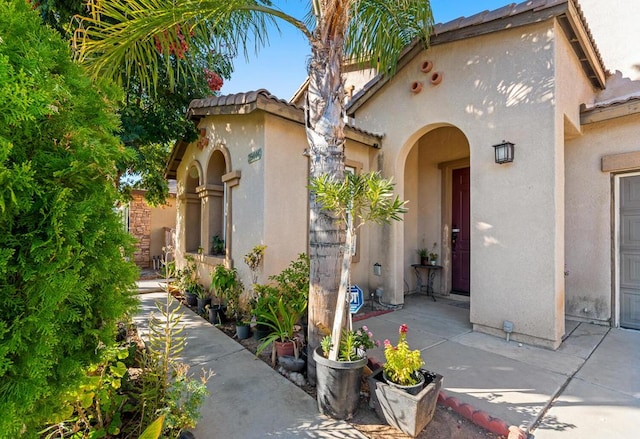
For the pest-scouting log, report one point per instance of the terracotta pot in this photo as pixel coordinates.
(426, 66)
(416, 87)
(436, 78)
(284, 348)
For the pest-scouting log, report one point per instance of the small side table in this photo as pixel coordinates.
(431, 274)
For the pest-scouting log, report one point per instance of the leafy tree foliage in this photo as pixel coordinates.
(64, 282)
(151, 121)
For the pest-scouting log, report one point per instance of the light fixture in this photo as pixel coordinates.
(504, 152)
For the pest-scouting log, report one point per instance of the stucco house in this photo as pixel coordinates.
(552, 235)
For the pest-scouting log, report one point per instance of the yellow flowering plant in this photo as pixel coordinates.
(402, 363)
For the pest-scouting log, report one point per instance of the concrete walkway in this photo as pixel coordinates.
(588, 388)
(248, 399)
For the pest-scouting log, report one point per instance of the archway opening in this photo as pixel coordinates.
(437, 185)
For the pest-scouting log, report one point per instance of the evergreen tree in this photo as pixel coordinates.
(64, 281)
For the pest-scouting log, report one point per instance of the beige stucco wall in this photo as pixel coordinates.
(495, 87)
(589, 213)
(270, 204)
(286, 205)
(615, 29)
(239, 135)
(161, 217)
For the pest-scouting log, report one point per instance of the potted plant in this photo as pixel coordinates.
(202, 296)
(433, 256)
(243, 318)
(366, 197)
(281, 317)
(187, 281)
(403, 394)
(264, 295)
(223, 281)
(338, 381)
(423, 253)
(217, 245)
(253, 259)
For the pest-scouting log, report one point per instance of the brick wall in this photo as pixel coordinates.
(140, 228)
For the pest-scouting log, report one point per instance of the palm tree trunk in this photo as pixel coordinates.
(325, 134)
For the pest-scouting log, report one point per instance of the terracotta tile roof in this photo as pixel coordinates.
(245, 103)
(568, 12)
(608, 109)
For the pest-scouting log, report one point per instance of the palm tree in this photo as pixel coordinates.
(129, 33)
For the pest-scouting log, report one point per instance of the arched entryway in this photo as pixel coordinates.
(437, 186)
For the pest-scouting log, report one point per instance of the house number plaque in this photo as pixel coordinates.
(256, 155)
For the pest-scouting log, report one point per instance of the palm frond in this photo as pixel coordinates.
(380, 29)
(130, 38)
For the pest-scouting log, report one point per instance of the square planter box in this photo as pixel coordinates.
(408, 413)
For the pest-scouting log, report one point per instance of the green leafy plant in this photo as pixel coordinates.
(187, 279)
(284, 303)
(281, 319)
(95, 407)
(356, 200)
(433, 256)
(226, 286)
(423, 252)
(402, 363)
(353, 344)
(217, 245)
(253, 259)
(64, 280)
(166, 387)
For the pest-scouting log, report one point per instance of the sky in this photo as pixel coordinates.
(280, 67)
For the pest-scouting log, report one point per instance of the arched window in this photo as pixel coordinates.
(193, 211)
(215, 203)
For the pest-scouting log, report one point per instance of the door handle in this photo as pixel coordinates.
(454, 237)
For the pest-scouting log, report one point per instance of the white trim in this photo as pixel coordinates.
(616, 244)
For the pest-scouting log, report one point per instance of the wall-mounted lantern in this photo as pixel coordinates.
(377, 269)
(504, 152)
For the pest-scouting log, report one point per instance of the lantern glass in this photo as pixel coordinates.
(504, 152)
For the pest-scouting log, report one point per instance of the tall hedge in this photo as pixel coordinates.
(64, 282)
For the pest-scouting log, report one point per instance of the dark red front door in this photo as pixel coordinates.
(460, 236)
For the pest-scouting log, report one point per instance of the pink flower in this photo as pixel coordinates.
(404, 328)
(387, 342)
(378, 343)
(370, 334)
(364, 328)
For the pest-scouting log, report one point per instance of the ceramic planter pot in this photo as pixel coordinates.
(338, 385)
(202, 302)
(192, 299)
(261, 331)
(216, 314)
(408, 413)
(243, 331)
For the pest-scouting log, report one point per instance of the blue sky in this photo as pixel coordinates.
(281, 66)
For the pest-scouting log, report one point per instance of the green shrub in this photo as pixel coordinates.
(64, 283)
